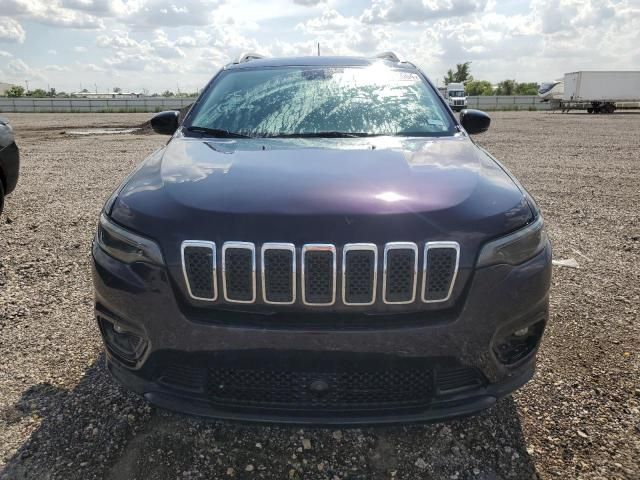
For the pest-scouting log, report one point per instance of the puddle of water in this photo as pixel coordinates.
(102, 131)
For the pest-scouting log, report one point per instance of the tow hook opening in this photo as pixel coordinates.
(519, 344)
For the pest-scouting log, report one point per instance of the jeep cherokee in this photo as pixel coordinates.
(321, 241)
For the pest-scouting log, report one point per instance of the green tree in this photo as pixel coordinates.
(15, 91)
(167, 93)
(461, 75)
(478, 87)
(506, 87)
(38, 92)
(530, 88)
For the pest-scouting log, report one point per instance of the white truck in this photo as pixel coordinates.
(455, 95)
(600, 91)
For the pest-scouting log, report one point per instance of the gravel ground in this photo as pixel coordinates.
(62, 417)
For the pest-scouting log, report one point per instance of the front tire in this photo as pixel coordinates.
(1, 196)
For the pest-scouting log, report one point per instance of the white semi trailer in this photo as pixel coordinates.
(599, 91)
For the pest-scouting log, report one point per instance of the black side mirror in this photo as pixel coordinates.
(165, 123)
(475, 121)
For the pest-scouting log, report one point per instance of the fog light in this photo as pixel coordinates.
(519, 344)
(125, 346)
(522, 332)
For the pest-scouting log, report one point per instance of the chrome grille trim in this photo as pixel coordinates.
(279, 246)
(443, 244)
(321, 247)
(239, 245)
(400, 246)
(369, 247)
(200, 244)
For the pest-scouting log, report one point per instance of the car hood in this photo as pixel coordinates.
(306, 190)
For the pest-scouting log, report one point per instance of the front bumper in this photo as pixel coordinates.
(183, 352)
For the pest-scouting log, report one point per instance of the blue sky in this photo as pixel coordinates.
(156, 45)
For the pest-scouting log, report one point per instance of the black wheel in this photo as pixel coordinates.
(1, 196)
(589, 110)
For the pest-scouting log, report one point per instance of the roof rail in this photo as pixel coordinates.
(389, 56)
(248, 56)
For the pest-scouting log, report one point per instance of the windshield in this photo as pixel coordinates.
(299, 101)
(545, 87)
(456, 93)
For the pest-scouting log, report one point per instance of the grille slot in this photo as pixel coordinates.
(199, 269)
(359, 273)
(279, 273)
(440, 270)
(452, 380)
(400, 272)
(239, 272)
(319, 274)
(398, 387)
(184, 377)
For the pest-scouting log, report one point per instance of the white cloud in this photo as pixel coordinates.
(17, 70)
(170, 13)
(92, 67)
(309, 3)
(11, 31)
(398, 11)
(50, 13)
(97, 7)
(56, 68)
(118, 39)
(165, 48)
(330, 20)
(188, 40)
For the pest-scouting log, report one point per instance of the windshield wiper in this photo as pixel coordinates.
(216, 132)
(331, 134)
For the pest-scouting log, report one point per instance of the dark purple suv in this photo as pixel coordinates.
(321, 242)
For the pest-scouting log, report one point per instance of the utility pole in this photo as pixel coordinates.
(318, 48)
(26, 82)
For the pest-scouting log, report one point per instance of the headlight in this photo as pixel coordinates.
(126, 246)
(516, 247)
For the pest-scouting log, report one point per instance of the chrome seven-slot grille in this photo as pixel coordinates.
(278, 279)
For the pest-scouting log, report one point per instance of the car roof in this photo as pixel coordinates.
(317, 61)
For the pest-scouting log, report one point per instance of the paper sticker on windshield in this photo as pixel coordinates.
(321, 73)
(408, 77)
(438, 123)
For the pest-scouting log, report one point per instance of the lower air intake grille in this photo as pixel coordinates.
(199, 268)
(238, 265)
(441, 263)
(356, 389)
(319, 274)
(400, 279)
